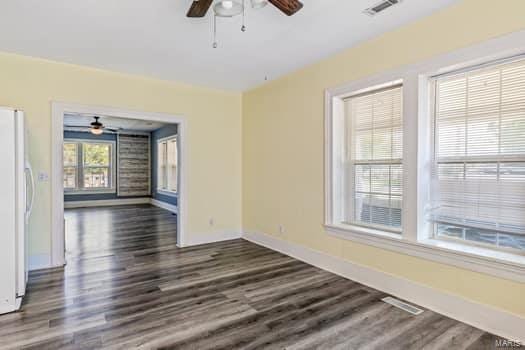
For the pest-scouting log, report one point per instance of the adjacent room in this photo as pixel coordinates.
(262, 174)
(115, 166)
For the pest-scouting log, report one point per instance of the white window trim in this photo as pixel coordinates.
(112, 166)
(163, 190)
(415, 239)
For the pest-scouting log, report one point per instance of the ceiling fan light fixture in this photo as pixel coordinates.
(257, 4)
(228, 8)
(96, 131)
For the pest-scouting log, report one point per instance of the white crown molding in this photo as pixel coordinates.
(481, 316)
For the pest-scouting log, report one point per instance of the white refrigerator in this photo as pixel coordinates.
(16, 201)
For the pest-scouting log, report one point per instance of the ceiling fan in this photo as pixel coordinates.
(199, 8)
(232, 8)
(96, 127)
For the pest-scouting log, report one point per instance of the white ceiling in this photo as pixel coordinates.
(154, 38)
(111, 122)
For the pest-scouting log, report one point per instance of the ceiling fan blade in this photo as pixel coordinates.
(199, 8)
(288, 7)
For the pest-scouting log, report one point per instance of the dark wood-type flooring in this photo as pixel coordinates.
(127, 285)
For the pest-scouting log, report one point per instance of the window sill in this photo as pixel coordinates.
(167, 193)
(81, 192)
(496, 263)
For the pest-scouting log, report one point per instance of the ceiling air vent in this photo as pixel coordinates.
(383, 5)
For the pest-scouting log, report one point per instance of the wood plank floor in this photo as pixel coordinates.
(127, 285)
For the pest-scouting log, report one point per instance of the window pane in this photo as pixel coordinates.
(70, 154)
(511, 241)
(96, 154)
(376, 125)
(450, 231)
(380, 179)
(362, 178)
(382, 143)
(96, 178)
(450, 138)
(172, 165)
(512, 131)
(379, 210)
(363, 144)
(483, 135)
(70, 177)
(396, 179)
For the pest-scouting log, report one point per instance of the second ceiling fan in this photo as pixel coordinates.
(199, 8)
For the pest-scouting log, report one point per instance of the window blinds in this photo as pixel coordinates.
(172, 164)
(478, 188)
(374, 154)
(167, 165)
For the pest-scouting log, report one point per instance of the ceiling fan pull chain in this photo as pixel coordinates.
(243, 28)
(215, 31)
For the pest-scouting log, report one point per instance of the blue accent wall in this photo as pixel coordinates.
(166, 131)
(92, 196)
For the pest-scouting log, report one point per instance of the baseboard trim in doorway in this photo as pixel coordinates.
(481, 316)
(106, 202)
(164, 205)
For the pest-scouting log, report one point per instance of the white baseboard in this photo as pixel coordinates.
(481, 316)
(39, 262)
(106, 202)
(164, 205)
(197, 239)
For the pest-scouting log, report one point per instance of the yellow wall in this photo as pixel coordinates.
(213, 133)
(283, 145)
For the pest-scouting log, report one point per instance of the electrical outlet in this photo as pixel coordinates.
(211, 222)
(281, 229)
(42, 176)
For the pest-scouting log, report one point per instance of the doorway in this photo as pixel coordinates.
(89, 165)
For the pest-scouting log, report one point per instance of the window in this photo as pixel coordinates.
(478, 190)
(88, 166)
(167, 165)
(428, 160)
(367, 159)
(70, 165)
(374, 155)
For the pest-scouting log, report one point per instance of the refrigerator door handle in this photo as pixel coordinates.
(29, 206)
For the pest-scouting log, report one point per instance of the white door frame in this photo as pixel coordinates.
(58, 109)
